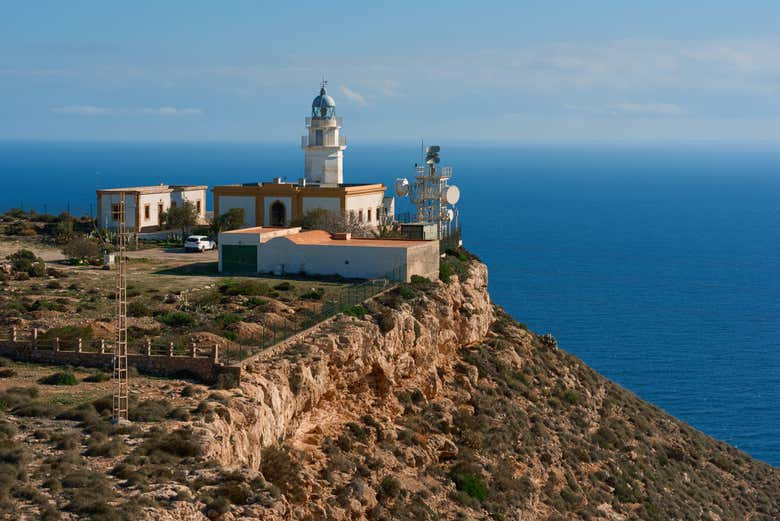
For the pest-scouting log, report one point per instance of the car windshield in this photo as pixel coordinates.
(193, 239)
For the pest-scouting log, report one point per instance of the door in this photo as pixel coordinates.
(239, 259)
(278, 213)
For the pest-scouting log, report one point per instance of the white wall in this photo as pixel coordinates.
(281, 255)
(107, 200)
(192, 195)
(364, 202)
(247, 202)
(286, 201)
(245, 239)
(327, 203)
(153, 200)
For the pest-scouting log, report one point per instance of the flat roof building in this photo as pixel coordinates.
(316, 252)
(145, 204)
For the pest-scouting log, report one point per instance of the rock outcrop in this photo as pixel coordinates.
(349, 364)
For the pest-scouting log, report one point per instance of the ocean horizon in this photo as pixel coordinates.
(657, 264)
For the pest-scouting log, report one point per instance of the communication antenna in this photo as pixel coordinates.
(432, 194)
(121, 386)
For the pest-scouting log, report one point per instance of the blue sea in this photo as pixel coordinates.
(658, 265)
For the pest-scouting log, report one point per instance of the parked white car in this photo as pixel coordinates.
(199, 243)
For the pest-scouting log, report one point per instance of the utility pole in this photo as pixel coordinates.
(120, 402)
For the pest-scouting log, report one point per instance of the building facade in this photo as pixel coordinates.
(316, 252)
(144, 205)
(279, 203)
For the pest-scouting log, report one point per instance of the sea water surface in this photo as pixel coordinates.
(658, 265)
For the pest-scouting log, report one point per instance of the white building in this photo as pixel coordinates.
(145, 204)
(316, 252)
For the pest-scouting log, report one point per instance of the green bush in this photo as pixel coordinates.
(227, 319)
(313, 294)
(177, 319)
(246, 287)
(417, 279)
(406, 292)
(98, 377)
(358, 310)
(283, 286)
(60, 378)
(467, 481)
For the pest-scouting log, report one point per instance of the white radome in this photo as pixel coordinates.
(453, 195)
(401, 187)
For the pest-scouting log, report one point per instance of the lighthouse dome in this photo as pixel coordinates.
(323, 106)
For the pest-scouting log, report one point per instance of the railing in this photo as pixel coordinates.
(319, 122)
(326, 142)
(227, 352)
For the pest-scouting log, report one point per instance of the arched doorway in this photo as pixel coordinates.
(277, 213)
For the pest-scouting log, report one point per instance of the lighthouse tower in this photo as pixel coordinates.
(323, 147)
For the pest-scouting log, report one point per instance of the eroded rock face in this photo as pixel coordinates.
(348, 365)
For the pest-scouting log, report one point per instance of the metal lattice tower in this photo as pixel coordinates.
(429, 194)
(121, 387)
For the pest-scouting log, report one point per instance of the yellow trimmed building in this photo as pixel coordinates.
(279, 203)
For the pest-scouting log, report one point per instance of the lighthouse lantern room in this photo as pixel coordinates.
(323, 146)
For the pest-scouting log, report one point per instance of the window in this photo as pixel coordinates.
(147, 212)
(116, 214)
(160, 210)
(318, 137)
(378, 213)
(197, 206)
(368, 218)
(360, 216)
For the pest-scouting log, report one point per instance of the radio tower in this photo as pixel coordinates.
(119, 412)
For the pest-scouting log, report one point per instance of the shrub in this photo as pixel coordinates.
(97, 377)
(81, 249)
(59, 378)
(389, 488)
(227, 319)
(37, 270)
(406, 292)
(466, 480)
(417, 279)
(47, 305)
(177, 319)
(244, 287)
(7, 372)
(283, 286)
(150, 411)
(358, 310)
(313, 294)
(170, 448)
(138, 308)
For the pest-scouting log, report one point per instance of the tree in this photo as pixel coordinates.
(81, 249)
(182, 217)
(230, 220)
(333, 222)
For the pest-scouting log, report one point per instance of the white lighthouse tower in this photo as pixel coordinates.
(323, 146)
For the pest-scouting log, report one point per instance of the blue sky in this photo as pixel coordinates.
(522, 71)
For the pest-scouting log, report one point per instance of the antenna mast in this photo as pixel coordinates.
(120, 402)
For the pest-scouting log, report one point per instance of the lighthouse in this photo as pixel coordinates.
(323, 146)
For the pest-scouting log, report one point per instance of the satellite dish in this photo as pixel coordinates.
(401, 187)
(452, 196)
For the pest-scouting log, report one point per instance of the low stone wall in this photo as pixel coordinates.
(203, 368)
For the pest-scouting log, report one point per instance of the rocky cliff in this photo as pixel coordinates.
(435, 404)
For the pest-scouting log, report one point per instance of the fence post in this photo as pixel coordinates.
(194, 350)
(216, 353)
(13, 334)
(170, 349)
(148, 347)
(80, 346)
(56, 344)
(35, 336)
(102, 346)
